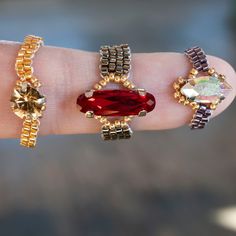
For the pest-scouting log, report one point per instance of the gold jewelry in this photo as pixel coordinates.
(26, 101)
(107, 105)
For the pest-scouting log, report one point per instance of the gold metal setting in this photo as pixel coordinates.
(26, 101)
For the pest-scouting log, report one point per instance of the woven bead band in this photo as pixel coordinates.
(25, 57)
(113, 132)
(201, 117)
(29, 133)
(115, 59)
(198, 58)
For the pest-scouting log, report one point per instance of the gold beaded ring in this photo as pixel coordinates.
(26, 101)
(114, 108)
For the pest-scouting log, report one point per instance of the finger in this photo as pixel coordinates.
(66, 73)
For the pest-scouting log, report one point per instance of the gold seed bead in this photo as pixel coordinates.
(117, 123)
(131, 86)
(111, 77)
(97, 117)
(37, 84)
(127, 118)
(106, 78)
(33, 79)
(102, 82)
(117, 79)
(123, 78)
(211, 71)
(186, 102)
(196, 107)
(193, 72)
(176, 86)
(213, 106)
(182, 99)
(181, 80)
(44, 108)
(222, 77)
(123, 123)
(192, 104)
(191, 76)
(112, 127)
(177, 94)
(18, 83)
(97, 86)
(103, 119)
(126, 83)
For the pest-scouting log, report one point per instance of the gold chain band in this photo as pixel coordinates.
(27, 102)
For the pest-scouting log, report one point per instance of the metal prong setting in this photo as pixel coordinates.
(142, 92)
(89, 93)
(142, 113)
(89, 114)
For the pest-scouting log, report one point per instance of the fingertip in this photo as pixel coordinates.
(224, 67)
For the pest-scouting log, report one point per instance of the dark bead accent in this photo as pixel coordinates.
(201, 117)
(198, 58)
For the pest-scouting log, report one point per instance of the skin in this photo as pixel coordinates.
(66, 73)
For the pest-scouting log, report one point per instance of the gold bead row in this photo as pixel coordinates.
(123, 80)
(104, 120)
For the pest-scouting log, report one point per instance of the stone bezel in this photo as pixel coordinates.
(193, 75)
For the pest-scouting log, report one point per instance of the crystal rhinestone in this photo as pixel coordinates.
(27, 101)
(206, 89)
(116, 102)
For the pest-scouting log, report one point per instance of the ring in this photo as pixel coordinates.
(202, 90)
(26, 101)
(115, 108)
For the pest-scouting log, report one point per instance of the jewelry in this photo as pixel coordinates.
(26, 101)
(115, 65)
(201, 92)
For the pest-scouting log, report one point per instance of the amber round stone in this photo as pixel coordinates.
(116, 102)
(27, 101)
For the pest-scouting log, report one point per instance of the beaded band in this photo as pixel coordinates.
(115, 108)
(201, 117)
(29, 132)
(120, 130)
(198, 58)
(115, 59)
(25, 57)
(27, 102)
(202, 90)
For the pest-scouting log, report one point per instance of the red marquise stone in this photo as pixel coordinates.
(116, 102)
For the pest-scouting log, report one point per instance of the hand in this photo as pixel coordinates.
(66, 73)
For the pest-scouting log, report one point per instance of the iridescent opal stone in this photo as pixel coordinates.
(206, 89)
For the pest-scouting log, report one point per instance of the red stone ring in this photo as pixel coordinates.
(202, 90)
(114, 108)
